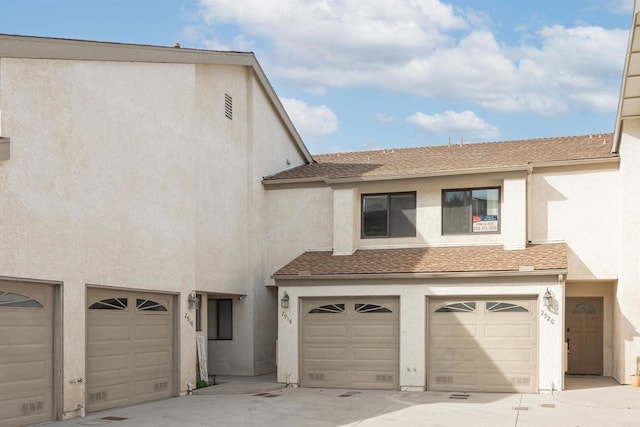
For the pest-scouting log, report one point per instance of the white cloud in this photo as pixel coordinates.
(432, 49)
(311, 121)
(464, 124)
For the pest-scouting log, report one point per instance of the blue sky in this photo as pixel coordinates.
(370, 74)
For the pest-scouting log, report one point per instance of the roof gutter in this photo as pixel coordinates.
(435, 275)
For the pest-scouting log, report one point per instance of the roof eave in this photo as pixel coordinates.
(433, 275)
(455, 172)
(617, 133)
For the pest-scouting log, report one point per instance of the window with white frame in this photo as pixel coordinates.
(475, 210)
(389, 215)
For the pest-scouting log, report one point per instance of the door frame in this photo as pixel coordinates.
(601, 307)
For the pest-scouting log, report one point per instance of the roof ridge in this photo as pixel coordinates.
(422, 147)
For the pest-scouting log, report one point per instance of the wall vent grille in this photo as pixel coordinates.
(228, 106)
(32, 407)
(520, 381)
(97, 397)
(160, 386)
(444, 379)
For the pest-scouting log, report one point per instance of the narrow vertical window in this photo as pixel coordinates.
(199, 313)
(220, 319)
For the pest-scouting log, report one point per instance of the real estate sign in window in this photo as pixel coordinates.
(471, 211)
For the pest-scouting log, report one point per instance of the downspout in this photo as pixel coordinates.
(529, 202)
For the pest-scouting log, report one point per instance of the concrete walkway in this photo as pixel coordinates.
(591, 401)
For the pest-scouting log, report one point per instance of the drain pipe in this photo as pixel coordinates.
(189, 389)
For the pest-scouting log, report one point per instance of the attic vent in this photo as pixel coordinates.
(228, 106)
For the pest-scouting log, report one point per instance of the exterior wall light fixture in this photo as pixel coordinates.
(547, 299)
(194, 301)
(284, 301)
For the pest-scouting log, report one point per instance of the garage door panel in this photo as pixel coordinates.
(354, 347)
(108, 334)
(26, 353)
(508, 331)
(382, 355)
(25, 337)
(320, 354)
(377, 331)
(112, 363)
(463, 331)
(129, 348)
(454, 342)
(24, 371)
(160, 358)
(325, 331)
(492, 347)
(451, 355)
(509, 355)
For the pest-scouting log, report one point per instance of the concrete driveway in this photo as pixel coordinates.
(596, 401)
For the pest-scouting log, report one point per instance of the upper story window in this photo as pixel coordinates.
(389, 215)
(471, 211)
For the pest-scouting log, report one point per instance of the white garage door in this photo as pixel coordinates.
(26, 353)
(129, 348)
(350, 342)
(487, 344)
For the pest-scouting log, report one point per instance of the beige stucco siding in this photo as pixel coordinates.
(310, 224)
(98, 190)
(429, 211)
(128, 174)
(580, 207)
(626, 313)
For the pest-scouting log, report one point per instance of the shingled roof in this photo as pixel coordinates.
(432, 260)
(444, 159)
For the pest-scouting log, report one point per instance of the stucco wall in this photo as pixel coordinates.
(429, 211)
(581, 207)
(99, 189)
(626, 312)
(307, 224)
(128, 174)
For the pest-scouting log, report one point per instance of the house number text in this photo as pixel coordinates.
(188, 319)
(547, 317)
(286, 317)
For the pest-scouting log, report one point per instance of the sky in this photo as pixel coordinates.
(374, 74)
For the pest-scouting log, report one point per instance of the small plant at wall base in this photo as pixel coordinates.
(635, 379)
(201, 384)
